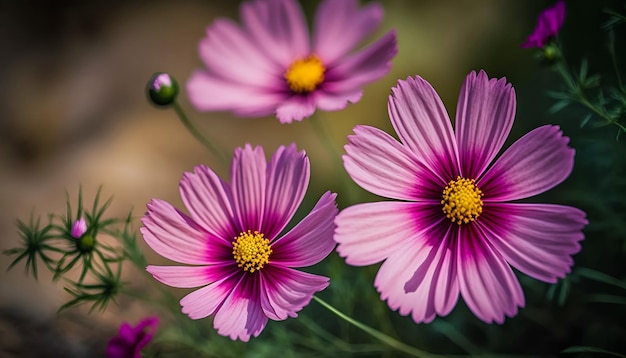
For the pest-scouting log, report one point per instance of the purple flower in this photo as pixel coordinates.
(269, 64)
(548, 26)
(78, 228)
(455, 231)
(130, 340)
(232, 236)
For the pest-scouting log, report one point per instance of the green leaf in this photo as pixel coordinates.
(559, 106)
(586, 120)
(600, 277)
(584, 67)
(599, 298)
(587, 349)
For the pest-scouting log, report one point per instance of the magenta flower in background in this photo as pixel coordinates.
(548, 25)
(131, 340)
(270, 65)
(78, 228)
(232, 236)
(455, 230)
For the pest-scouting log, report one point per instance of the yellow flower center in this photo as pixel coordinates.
(305, 75)
(462, 201)
(251, 250)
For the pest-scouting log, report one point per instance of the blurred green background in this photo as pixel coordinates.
(73, 112)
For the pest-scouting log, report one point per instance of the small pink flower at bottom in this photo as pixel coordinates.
(270, 64)
(548, 25)
(131, 340)
(456, 231)
(243, 265)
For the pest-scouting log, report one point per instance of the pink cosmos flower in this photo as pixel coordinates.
(232, 236)
(269, 64)
(131, 340)
(455, 232)
(78, 228)
(548, 25)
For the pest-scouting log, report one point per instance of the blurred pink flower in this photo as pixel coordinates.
(233, 236)
(456, 232)
(269, 64)
(78, 228)
(131, 340)
(548, 25)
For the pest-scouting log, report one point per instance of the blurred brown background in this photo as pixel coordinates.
(73, 112)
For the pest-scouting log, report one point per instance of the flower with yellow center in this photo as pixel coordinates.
(440, 240)
(304, 75)
(251, 250)
(462, 201)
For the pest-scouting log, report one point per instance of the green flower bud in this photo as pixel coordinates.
(162, 89)
(551, 53)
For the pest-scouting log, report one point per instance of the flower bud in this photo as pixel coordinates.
(551, 53)
(78, 228)
(162, 89)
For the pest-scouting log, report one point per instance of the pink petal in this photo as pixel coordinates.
(335, 101)
(334, 36)
(278, 25)
(175, 236)
(371, 232)
(240, 315)
(205, 301)
(537, 239)
(311, 240)
(207, 92)
(287, 180)
(229, 53)
(533, 164)
(286, 291)
(190, 276)
(421, 278)
(488, 285)
(422, 123)
(248, 174)
(79, 227)
(296, 108)
(381, 165)
(209, 201)
(484, 118)
(367, 65)
(548, 25)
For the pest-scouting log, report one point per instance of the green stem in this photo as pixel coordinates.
(201, 138)
(391, 342)
(323, 133)
(402, 347)
(611, 35)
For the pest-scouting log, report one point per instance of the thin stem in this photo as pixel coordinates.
(323, 133)
(402, 347)
(618, 75)
(328, 141)
(201, 138)
(377, 334)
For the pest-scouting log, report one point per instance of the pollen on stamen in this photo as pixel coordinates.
(305, 75)
(462, 201)
(251, 251)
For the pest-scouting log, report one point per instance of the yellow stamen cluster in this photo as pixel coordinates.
(251, 250)
(304, 75)
(462, 201)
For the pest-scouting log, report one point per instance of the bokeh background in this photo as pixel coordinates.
(73, 112)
